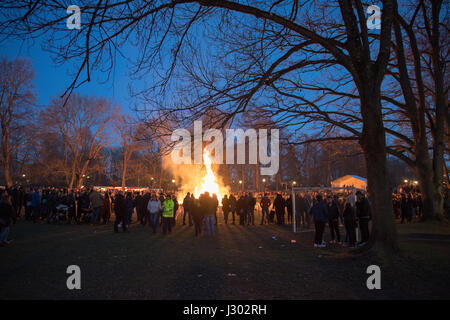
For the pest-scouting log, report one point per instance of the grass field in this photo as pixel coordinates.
(239, 263)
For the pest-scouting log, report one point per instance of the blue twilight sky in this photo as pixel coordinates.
(52, 79)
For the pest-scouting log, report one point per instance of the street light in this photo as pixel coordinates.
(173, 180)
(405, 181)
(264, 180)
(294, 183)
(23, 176)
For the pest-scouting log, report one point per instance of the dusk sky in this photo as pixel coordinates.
(52, 79)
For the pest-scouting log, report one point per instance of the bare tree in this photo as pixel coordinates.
(418, 69)
(16, 109)
(83, 123)
(126, 128)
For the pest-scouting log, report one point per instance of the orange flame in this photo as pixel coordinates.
(209, 181)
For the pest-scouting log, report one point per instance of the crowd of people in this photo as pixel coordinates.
(161, 210)
(407, 206)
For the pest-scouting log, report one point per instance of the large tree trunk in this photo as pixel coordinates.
(7, 169)
(384, 233)
(80, 176)
(432, 209)
(72, 175)
(441, 104)
(6, 157)
(427, 189)
(124, 170)
(416, 113)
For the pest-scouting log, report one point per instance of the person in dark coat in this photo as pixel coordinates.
(319, 212)
(233, 207)
(350, 224)
(406, 208)
(289, 208)
(265, 204)
(279, 206)
(107, 207)
(251, 209)
(129, 205)
(83, 206)
(197, 216)
(187, 201)
(20, 201)
(28, 204)
(7, 215)
(120, 212)
(364, 215)
(333, 219)
(36, 204)
(242, 209)
(226, 208)
(144, 214)
(139, 212)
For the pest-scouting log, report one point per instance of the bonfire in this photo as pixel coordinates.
(209, 181)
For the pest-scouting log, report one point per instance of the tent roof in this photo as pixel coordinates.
(350, 176)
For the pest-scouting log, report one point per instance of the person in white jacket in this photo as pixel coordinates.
(154, 209)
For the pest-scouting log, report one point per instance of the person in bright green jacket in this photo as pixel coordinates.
(168, 214)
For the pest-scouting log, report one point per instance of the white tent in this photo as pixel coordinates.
(350, 181)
